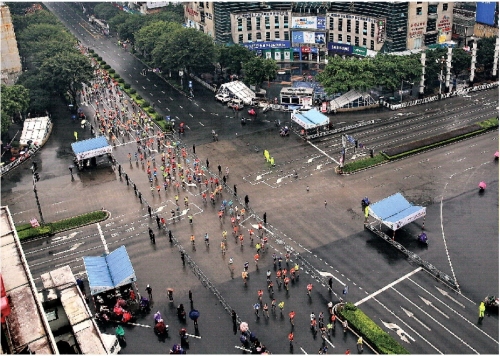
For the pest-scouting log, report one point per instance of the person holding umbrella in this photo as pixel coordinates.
(194, 315)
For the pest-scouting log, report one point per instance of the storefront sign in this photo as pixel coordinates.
(260, 14)
(191, 12)
(339, 48)
(353, 17)
(444, 24)
(360, 51)
(305, 49)
(287, 55)
(308, 37)
(417, 29)
(309, 22)
(266, 45)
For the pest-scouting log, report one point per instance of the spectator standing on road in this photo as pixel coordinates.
(208, 163)
(220, 169)
(149, 290)
(194, 149)
(264, 217)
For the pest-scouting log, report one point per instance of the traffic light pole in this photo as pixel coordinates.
(38, 202)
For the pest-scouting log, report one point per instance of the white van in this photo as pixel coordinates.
(111, 343)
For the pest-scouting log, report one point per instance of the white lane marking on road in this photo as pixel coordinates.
(143, 87)
(429, 303)
(154, 85)
(201, 123)
(190, 115)
(181, 107)
(151, 94)
(72, 248)
(103, 239)
(388, 286)
(148, 79)
(437, 322)
(411, 315)
(60, 238)
(408, 326)
(159, 101)
(167, 109)
(196, 104)
(444, 240)
(171, 98)
(453, 310)
(163, 92)
(323, 152)
(202, 109)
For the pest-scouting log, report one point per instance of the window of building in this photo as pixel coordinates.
(259, 35)
(364, 42)
(432, 9)
(356, 29)
(285, 22)
(419, 10)
(249, 24)
(445, 7)
(240, 24)
(356, 41)
(257, 23)
(365, 28)
(276, 22)
(340, 25)
(287, 36)
(348, 25)
(339, 38)
(240, 38)
(372, 30)
(331, 37)
(332, 23)
(268, 23)
(249, 37)
(348, 39)
(207, 5)
(268, 36)
(277, 35)
(372, 45)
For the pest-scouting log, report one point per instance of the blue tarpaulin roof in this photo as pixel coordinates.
(310, 119)
(90, 144)
(395, 211)
(109, 271)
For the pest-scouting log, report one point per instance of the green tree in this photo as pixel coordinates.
(460, 61)
(185, 48)
(433, 68)
(22, 21)
(14, 101)
(35, 38)
(391, 70)
(65, 72)
(105, 11)
(258, 69)
(170, 13)
(232, 57)
(148, 36)
(40, 95)
(485, 53)
(132, 24)
(341, 75)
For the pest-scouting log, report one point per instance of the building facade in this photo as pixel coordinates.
(309, 31)
(11, 62)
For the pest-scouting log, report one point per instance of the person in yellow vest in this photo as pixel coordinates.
(482, 308)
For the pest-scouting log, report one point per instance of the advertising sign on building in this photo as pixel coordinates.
(308, 37)
(417, 29)
(360, 51)
(321, 23)
(341, 48)
(309, 22)
(444, 24)
(287, 55)
(266, 45)
(485, 12)
(381, 31)
(277, 56)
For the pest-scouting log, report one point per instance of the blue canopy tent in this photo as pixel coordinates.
(395, 211)
(109, 271)
(310, 119)
(91, 148)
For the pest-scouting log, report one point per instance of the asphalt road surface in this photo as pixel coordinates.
(461, 224)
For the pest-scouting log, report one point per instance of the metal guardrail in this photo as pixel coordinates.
(443, 277)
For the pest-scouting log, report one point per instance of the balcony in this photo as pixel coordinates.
(432, 16)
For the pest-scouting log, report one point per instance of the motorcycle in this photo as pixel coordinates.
(491, 302)
(422, 238)
(181, 313)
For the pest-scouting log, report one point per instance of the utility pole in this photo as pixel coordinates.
(36, 178)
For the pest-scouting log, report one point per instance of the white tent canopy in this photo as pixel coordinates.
(239, 90)
(395, 211)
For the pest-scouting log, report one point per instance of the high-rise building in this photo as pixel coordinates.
(11, 62)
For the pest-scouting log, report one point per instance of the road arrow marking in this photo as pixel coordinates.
(411, 315)
(72, 248)
(429, 303)
(310, 160)
(402, 334)
(202, 109)
(445, 293)
(56, 239)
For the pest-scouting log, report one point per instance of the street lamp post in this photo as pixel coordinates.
(402, 81)
(441, 75)
(36, 177)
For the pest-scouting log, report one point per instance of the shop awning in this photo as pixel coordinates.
(91, 148)
(395, 211)
(109, 271)
(310, 119)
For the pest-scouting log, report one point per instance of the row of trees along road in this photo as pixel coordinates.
(52, 63)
